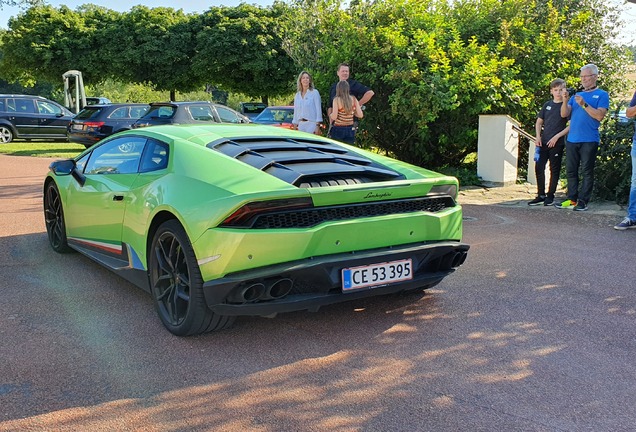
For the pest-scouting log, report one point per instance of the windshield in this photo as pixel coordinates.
(280, 115)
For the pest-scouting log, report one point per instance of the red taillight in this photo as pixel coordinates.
(245, 214)
(94, 124)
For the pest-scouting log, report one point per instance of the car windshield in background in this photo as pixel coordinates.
(275, 115)
(252, 109)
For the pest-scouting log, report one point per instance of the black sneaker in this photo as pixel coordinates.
(537, 201)
(580, 206)
(548, 201)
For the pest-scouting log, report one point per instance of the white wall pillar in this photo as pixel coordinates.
(497, 150)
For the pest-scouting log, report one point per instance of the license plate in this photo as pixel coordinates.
(376, 274)
(77, 127)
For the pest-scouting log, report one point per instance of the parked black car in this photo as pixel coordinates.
(32, 117)
(96, 122)
(161, 113)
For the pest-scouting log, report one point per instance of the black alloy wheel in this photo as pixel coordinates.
(176, 284)
(54, 219)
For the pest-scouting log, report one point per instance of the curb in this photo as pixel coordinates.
(519, 195)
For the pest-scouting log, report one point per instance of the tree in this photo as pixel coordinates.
(143, 46)
(152, 46)
(23, 3)
(236, 48)
(43, 43)
(435, 66)
(240, 50)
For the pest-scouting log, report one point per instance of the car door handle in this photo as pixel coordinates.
(118, 197)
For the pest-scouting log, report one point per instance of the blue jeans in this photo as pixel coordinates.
(345, 134)
(581, 154)
(631, 209)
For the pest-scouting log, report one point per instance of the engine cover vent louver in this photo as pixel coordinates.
(305, 163)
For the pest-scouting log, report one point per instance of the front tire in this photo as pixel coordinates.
(6, 134)
(177, 286)
(54, 219)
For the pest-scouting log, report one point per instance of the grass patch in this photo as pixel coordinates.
(50, 149)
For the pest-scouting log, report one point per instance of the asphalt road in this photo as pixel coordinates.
(536, 332)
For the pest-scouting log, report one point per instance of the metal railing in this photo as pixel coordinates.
(523, 133)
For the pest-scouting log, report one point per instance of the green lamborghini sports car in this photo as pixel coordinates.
(221, 220)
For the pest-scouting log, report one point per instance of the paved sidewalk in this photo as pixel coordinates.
(519, 195)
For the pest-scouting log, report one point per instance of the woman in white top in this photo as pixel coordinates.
(307, 107)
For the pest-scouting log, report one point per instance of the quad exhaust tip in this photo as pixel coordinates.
(279, 288)
(247, 293)
(459, 259)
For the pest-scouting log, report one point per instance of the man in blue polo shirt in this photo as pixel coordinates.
(586, 109)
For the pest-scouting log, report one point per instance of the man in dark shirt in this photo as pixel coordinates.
(361, 92)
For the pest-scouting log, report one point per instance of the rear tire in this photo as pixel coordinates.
(6, 134)
(54, 219)
(177, 286)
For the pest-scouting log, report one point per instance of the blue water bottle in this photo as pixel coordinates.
(537, 150)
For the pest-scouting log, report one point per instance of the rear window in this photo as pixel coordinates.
(88, 113)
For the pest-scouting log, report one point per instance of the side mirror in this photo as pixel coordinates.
(67, 167)
(62, 167)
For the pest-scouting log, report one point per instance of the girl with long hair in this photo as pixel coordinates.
(345, 108)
